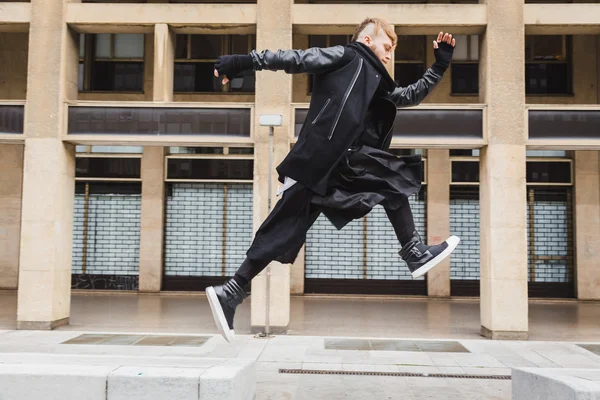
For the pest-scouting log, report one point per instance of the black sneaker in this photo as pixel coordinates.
(420, 258)
(223, 300)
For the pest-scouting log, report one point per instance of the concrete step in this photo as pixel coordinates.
(555, 384)
(35, 376)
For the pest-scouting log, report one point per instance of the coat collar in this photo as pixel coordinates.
(386, 80)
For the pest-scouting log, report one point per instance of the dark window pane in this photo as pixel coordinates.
(464, 192)
(205, 80)
(550, 78)
(241, 150)
(339, 40)
(548, 172)
(118, 76)
(181, 44)
(11, 119)
(244, 83)
(300, 117)
(109, 187)
(317, 41)
(461, 152)
(465, 171)
(465, 78)
(206, 46)
(239, 44)
(410, 48)
(564, 124)
(107, 167)
(221, 169)
(407, 74)
(159, 121)
(439, 123)
(185, 77)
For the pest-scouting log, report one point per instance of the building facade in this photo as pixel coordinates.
(125, 165)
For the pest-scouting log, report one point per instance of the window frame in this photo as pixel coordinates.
(226, 48)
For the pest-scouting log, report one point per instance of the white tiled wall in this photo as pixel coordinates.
(194, 228)
(333, 254)
(113, 243)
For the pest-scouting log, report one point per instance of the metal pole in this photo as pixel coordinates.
(268, 307)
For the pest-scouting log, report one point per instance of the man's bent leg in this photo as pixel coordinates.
(419, 257)
(280, 238)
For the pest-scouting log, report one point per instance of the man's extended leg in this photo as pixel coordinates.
(279, 238)
(419, 257)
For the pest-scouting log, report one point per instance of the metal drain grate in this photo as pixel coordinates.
(402, 374)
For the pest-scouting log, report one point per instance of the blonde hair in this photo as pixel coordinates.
(379, 24)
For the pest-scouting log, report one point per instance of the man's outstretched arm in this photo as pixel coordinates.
(314, 60)
(414, 94)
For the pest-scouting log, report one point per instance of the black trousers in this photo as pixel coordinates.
(282, 234)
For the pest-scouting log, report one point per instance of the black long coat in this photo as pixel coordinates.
(345, 83)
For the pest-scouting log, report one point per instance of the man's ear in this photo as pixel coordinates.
(368, 40)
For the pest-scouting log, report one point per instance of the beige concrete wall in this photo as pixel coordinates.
(587, 224)
(49, 167)
(11, 188)
(438, 217)
(504, 305)
(13, 59)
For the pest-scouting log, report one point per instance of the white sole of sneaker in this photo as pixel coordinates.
(219, 315)
(452, 241)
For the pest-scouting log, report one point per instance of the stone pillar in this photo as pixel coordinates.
(164, 63)
(153, 169)
(273, 96)
(438, 217)
(11, 188)
(297, 273)
(504, 303)
(587, 224)
(152, 219)
(44, 297)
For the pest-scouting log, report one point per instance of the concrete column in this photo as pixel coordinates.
(273, 96)
(152, 219)
(587, 224)
(504, 305)
(297, 273)
(164, 63)
(11, 188)
(438, 217)
(44, 297)
(153, 169)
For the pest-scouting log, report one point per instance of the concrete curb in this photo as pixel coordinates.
(555, 384)
(233, 379)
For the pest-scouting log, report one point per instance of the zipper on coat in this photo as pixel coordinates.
(321, 112)
(339, 114)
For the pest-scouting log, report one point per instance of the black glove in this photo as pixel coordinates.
(231, 66)
(443, 56)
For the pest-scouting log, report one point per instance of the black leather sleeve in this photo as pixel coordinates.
(414, 94)
(314, 60)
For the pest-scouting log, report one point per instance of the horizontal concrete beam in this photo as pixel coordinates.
(562, 19)
(151, 140)
(15, 17)
(563, 144)
(126, 18)
(408, 18)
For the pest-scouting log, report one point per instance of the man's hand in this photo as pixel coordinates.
(443, 48)
(231, 66)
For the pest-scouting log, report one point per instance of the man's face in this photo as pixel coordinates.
(381, 45)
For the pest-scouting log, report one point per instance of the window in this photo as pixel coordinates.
(547, 65)
(409, 59)
(195, 56)
(465, 65)
(111, 62)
